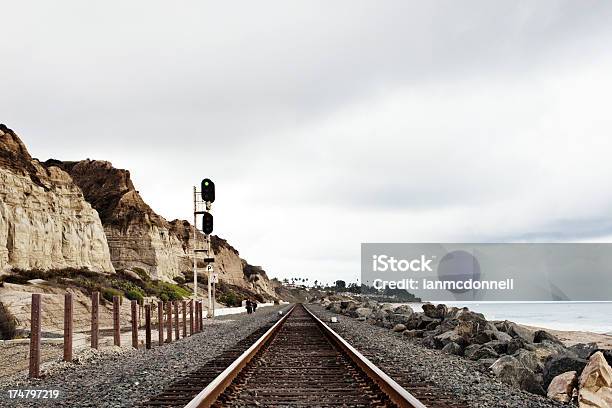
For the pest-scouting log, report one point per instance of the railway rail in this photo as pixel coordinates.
(298, 362)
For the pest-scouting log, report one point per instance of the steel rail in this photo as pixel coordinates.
(396, 392)
(209, 395)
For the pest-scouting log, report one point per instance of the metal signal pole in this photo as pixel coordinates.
(211, 303)
(195, 239)
(202, 205)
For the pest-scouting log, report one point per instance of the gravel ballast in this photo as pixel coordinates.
(124, 377)
(399, 357)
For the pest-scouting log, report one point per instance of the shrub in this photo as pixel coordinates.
(17, 279)
(144, 275)
(179, 279)
(230, 299)
(8, 323)
(127, 286)
(135, 295)
(173, 292)
(108, 293)
(88, 285)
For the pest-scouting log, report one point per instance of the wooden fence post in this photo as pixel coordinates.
(95, 315)
(148, 326)
(68, 326)
(201, 323)
(197, 319)
(116, 325)
(35, 332)
(184, 306)
(134, 305)
(160, 321)
(191, 317)
(177, 321)
(169, 317)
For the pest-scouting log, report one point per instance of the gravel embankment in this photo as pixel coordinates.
(399, 357)
(127, 377)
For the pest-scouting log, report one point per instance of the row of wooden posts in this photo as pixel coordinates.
(170, 309)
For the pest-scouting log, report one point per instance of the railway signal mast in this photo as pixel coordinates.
(202, 205)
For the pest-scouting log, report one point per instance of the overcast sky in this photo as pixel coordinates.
(327, 124)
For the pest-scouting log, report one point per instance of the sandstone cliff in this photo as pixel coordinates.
(45, 222)
(138, 237)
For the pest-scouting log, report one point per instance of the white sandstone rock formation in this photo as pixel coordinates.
(596, 383)
(45, 223)
(562, 387)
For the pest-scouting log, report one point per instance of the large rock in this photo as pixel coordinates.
(516, 344)
(546, 350)
(562, 387)
(388, 307)
(522, 332)
(413, 334)
(510, 371)
(435, 312)
(403, 309)
(399, 318)
(561, 364)
(583, 350)
(452, 348)
(45, 222)
(427, 323)
(542, 335)
(472, 324)
(428, 341)
(398, 328)
(452, 336)
(503, 326)
(364, 312)
(500, 347)
(530, 360)
(335, 308)
(607, 355)
(483, 352)
(484, 336)
(448, 325)
(502, 336)
(596, 383)
(380, 314)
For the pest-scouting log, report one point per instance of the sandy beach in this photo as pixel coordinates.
(569, 338)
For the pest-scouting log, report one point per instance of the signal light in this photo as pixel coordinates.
(208, 190)
(207, 223)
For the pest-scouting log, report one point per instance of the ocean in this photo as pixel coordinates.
(593, 317)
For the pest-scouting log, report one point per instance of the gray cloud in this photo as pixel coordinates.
(326, 125)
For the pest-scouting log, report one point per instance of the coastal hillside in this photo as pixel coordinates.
(45, 222)
(138, 237)
(89, 215)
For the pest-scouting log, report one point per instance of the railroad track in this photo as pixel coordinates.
(297, 362)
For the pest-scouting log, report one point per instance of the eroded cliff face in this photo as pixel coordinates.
(138, 237)
(45, 222)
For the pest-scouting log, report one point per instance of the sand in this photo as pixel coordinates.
(569, 338)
